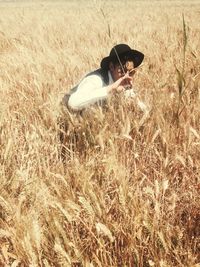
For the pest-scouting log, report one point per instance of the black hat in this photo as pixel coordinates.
(122, 50)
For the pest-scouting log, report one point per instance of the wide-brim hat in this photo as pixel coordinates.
(122, 51)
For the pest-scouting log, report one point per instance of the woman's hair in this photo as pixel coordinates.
(122, 58)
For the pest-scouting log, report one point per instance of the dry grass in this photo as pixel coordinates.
(130, 194)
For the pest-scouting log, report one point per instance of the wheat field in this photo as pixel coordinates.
(116, 187)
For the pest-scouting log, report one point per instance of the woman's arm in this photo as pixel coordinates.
(89, 91)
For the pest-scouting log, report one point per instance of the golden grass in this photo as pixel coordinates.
(129, 196)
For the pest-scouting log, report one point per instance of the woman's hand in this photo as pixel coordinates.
(121, 84)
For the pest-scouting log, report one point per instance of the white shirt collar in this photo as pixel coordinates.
(110, 78)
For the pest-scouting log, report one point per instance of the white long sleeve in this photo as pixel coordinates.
(90, 90)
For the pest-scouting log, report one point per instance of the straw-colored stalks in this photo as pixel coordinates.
(117, 186)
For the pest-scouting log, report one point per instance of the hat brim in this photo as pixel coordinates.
(135, 55)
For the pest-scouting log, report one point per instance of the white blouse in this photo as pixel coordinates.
(91, 90)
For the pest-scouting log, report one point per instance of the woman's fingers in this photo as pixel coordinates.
(122, 83)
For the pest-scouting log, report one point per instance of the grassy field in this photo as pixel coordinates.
(130, 193)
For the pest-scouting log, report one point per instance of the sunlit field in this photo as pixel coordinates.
(118, 186)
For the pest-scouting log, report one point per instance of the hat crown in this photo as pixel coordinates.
(120, 49)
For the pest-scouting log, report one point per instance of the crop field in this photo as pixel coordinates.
(114, 187)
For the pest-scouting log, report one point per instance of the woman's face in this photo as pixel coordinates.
(118, 70)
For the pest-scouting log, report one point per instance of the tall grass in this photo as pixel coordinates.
(122, 188)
